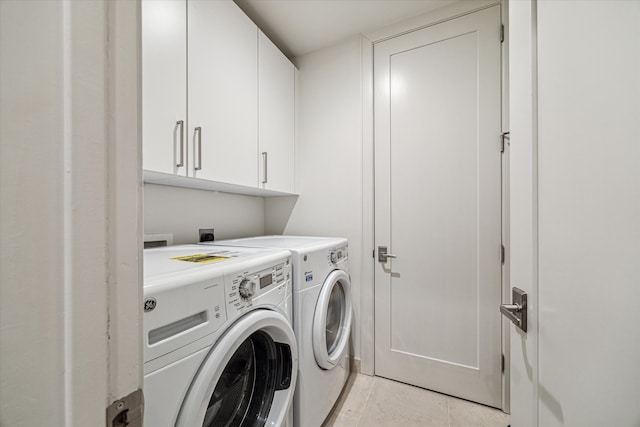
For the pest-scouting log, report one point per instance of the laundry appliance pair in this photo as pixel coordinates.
(219, 347)
(322, 318)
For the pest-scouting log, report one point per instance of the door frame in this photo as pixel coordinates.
(368, 40)
(523, 208)
(75, 201)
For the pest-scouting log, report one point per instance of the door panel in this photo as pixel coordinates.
(575, 205)
(223, 92)
(445, 243)
(438, 207)
(276, 117)
(164, 94)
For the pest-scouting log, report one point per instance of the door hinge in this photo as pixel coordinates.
(502, 363)
(126, 412)
(504, 137)
(501, 33)
(502, 254)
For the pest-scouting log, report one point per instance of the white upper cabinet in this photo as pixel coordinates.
(276, 117)
(164, 86)
(208, 59)
(223, 92)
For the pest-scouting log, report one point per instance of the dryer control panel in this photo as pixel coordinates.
(338, 254)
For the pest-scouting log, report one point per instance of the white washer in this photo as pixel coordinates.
(322, 316)
(219, 348)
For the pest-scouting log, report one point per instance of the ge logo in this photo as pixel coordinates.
(149, 304)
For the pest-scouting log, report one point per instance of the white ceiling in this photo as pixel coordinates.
(302, 26)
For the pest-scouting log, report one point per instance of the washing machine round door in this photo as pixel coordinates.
(248, 378)
(332, 320)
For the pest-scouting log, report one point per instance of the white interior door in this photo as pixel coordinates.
(575, 211)
(438, 207)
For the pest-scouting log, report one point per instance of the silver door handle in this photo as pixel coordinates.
(383, 255)
(511, 311)
(198, 132)
(180, 124)
(264, 167)
(517, 311)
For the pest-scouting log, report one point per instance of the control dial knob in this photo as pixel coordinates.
(333, 257)
(247, 289)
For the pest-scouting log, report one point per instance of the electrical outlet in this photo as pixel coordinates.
(206, 235)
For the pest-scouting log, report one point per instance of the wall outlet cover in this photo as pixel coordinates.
(206, 235)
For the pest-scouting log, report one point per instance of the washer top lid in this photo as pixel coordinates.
(296, 243)
(196, 258)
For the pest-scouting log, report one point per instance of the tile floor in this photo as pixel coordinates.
(375, 401)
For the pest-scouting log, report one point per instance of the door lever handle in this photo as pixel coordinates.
(517, 311)
(383, 255)
(510, 310)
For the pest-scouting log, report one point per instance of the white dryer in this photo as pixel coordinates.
(219, 348)
(322, 317)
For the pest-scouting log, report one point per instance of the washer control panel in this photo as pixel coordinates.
(244, 287)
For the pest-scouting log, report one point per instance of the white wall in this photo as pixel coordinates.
(32, 332)
(328, 158)
(182, 211)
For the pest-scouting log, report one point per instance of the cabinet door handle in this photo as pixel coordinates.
(180, 124)
(197, 132)
(264, 167)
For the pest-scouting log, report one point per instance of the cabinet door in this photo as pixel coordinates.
(223, 92)
(164, 85)
(276, 116)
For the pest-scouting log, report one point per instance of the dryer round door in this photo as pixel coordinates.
(248, 378)
(332, 320)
